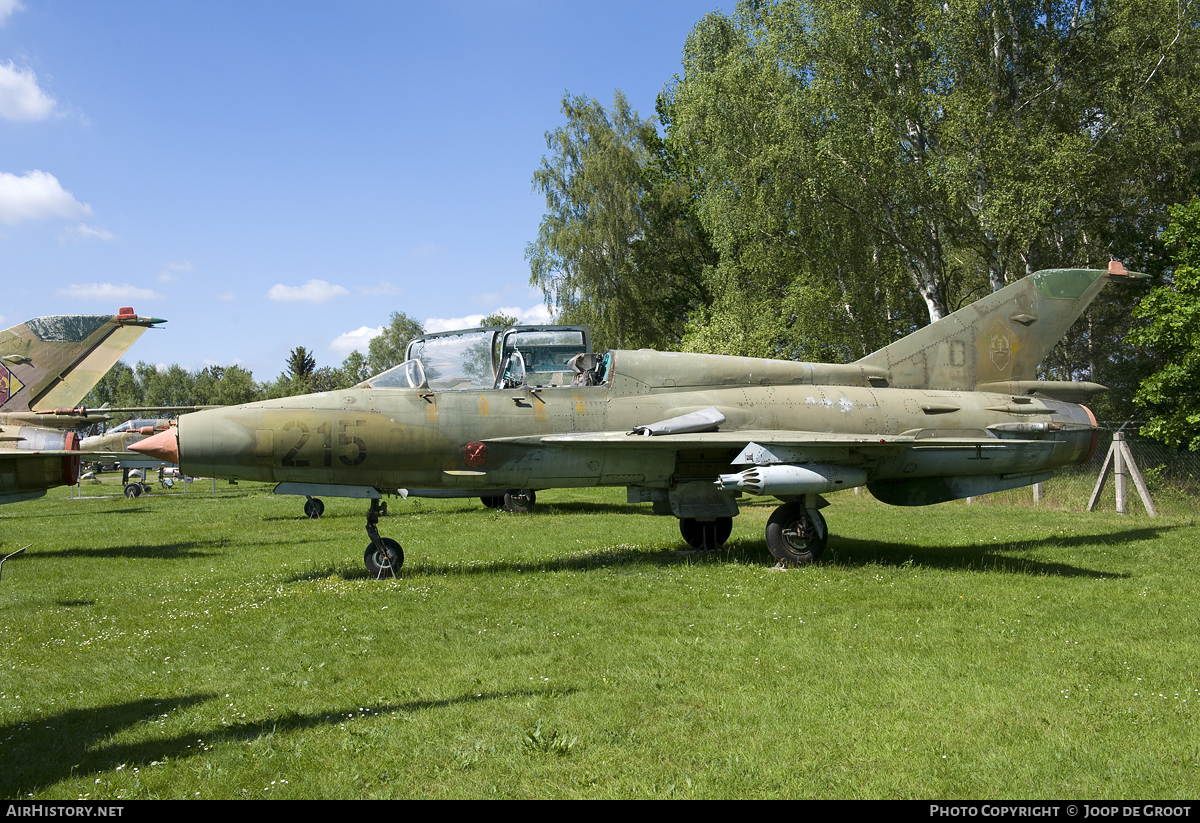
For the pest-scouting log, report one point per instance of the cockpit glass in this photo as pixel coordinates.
(545, 350)
(408, 375)
(456, 361)
(130, 425)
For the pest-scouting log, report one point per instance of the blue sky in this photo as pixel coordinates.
(273, 174)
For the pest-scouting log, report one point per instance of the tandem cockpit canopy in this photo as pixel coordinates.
(408, 375)
(497, 357)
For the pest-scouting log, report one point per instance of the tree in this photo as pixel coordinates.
(354, 368)
(225, 386)
(117, 388)
(301, 364)
(1172, 310)
(850, 157)
(387, 349)
(583, 258)
(498, 319)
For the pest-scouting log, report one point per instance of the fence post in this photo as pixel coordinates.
(1119, 472)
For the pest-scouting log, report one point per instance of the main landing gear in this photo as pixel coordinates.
(796, 532)
(384, 556)
(517, 501)
(706, 535)
(314, 507)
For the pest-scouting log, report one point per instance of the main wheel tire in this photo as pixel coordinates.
(520, 501)
(384, 564)
(795, 535)
(495, 501)
(133, 489)
(313, 508)
(706, 535)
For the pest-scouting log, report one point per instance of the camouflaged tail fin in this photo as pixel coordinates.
(1000, 338)
(53, 362)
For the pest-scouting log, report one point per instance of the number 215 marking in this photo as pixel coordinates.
(344, 439)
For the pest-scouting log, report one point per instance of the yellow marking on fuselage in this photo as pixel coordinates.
(431, 411)
(483, 406)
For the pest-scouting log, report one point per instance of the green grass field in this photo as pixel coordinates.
(222, 646)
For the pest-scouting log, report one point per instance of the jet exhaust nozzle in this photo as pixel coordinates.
(792, 480)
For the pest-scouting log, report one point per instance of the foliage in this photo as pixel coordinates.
(387, 349)
(225, 386)
(301, 364)
(1172, 312)
(592, 183)
(498, 319)
(863, 167)
(354, 368)
(620, 247)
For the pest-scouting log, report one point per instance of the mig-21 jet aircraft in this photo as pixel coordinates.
(950, 411)
(47, 366)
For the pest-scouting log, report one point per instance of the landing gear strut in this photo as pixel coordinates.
(796, 534)
(384, 556)
(706, 535)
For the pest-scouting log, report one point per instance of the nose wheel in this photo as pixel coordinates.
(384, 556)
(383, 563)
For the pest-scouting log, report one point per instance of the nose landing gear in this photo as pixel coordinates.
(384, 556)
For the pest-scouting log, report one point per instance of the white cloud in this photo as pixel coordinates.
(384, 289)
(20, 96)
(106, 291)
(7, 7)
(171, 271)
(83, 231)
(315, 291)
(36, 196)
(534, 315)
(359, 339)
(227, 296)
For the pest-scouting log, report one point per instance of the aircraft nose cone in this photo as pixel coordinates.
(162, 446)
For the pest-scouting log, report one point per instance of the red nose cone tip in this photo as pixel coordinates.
(162, 446)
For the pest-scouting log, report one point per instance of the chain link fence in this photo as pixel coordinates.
(1172, 477)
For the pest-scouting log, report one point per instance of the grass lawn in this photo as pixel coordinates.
(222, 646)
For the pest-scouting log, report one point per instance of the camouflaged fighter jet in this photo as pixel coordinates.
(950, 411)
(47, 365)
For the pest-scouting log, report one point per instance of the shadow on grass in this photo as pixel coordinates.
(842, 551)
(75, 743)
(166, 551)
(471, 505)
(48, 515)
(589, 561)
(998, 557)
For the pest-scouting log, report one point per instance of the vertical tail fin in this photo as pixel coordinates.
(53, 362)
(999, 339)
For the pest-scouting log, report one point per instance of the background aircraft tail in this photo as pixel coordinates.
(998, 340)
(53, 362)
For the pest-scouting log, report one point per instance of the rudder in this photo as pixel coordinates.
(1000, 338)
